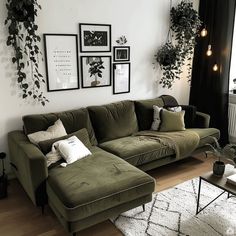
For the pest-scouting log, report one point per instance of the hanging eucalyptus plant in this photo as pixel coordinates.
(184, 27)
(23, 38)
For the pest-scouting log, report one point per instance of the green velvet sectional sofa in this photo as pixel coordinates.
(110, 181)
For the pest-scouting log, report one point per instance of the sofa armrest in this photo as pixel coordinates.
(29, 165)
(202, 120)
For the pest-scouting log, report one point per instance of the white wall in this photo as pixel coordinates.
(144, 23)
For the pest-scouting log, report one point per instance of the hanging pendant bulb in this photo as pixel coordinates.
(215, 67)
(203, 32)
(209, 51)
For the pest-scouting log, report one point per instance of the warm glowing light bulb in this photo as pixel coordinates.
(203, 32)
(215, 67)
(209, 51)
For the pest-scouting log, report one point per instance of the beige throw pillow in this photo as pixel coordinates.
(55, 131)
(172, 121)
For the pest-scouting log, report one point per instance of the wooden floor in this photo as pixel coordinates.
(19, 217)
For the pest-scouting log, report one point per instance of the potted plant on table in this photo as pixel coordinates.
(228, 153)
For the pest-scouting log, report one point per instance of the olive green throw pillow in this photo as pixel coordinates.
(81, 134)
(172, 121)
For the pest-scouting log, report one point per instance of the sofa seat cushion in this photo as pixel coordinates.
(96, 183)
(205, 133)
(137, 150)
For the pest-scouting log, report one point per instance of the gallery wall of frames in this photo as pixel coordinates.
(87, 60)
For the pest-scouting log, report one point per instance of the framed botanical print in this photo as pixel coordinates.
(95, 37)
(121, 78)
(121, 53)
(61, 57)
(96, 71)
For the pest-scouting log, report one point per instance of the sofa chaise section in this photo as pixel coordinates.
(86, 192)
(96, 185)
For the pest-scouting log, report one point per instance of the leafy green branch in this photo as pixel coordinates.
(227, 152)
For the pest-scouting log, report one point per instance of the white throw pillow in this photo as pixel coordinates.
(175, 109)
(72, 149)
(156, 117)
(55, 131)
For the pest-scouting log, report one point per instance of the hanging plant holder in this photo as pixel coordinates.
(167, 55)
(184, 27)
(24, 40)
(168, 59)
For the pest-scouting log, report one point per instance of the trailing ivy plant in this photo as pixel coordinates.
(184, 27)
(185, 23)
(23, 38)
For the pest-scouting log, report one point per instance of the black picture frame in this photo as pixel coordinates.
(121, 53)
(49, 53)
(116, 83)
(85, 76)
(87, 33)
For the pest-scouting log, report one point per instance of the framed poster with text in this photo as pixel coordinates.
(61, 58)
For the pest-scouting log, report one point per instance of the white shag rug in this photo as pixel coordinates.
(173, 212)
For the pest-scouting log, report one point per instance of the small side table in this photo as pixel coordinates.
(219, 182)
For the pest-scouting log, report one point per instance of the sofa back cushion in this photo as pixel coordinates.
(114, 120)
(72, 120)
(144, 112)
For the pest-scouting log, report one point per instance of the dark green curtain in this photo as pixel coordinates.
(209, 89)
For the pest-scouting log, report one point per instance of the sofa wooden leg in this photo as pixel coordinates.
(143, 207)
